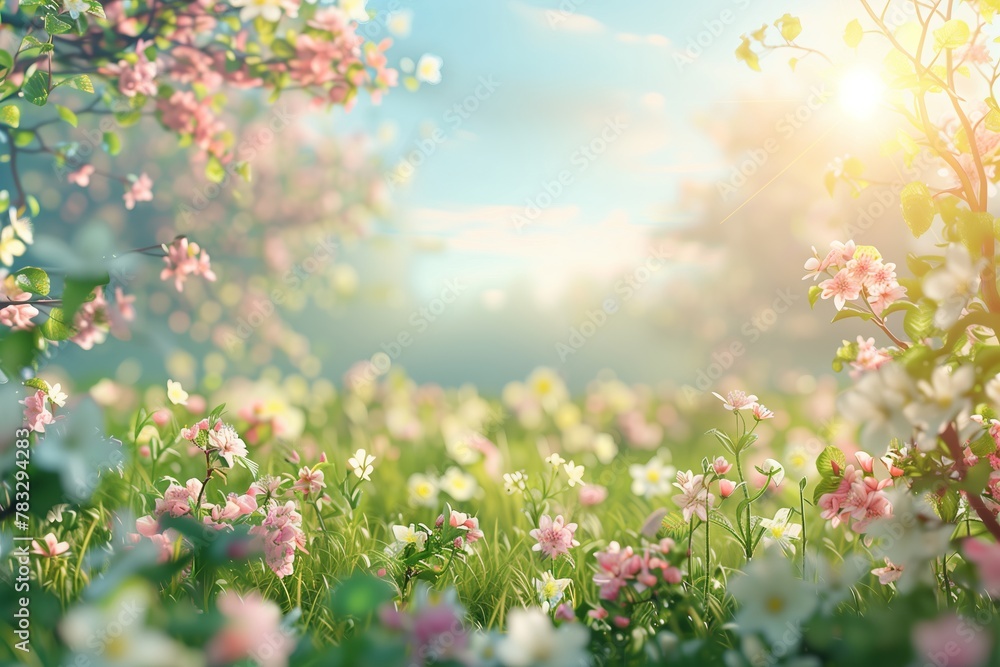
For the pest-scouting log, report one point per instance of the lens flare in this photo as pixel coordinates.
(861, 92)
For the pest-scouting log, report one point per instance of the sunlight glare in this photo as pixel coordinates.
(861, 92)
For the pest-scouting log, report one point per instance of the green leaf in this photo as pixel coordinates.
(826, 459)
(56, 26)
(946, 505)
(952, 35)
(984, 445)
(918, 207)
(214, 171)
(37, 383)
(10, 115)
(17, 352)
(6, 62)
(675, 526)
(58, 326)
(34, 280)
(79, 82)
(36, 89)
(112, 143)
(826, 485)
(853, 34)
(283, 49)
(79, 290)
(918, 323)
(360, 596)
(66, 114)
(815, 291)
(23, 138)
(96, 9)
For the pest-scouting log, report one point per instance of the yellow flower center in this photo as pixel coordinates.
(653, 475)
(775, 604)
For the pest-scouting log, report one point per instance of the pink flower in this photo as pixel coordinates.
(865, 460)
(174, 501)
(882, 297)
(81, 176)
(869, 357)
(857, 497)
(135, 79)
(843, 287)
(252, 624)
(839, 255)
(986, 557)
(227, 443)
(592, 494)
(736, 400)
(310, 481)
(36, 411)
(694, 499)
(140, 189)
(281, 535)
(721, 465)
(468, 523)
(726, 487)
(51, 548)
(185, 259)
(888, 574)
(91, 322)
(554, 536)
(953, 641)
(760, 413)
(564, 612)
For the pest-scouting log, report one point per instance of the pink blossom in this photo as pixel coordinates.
(986, 557)
(185, 259)
(857, 497)
(50, 546)
(81, 176)
(138, 78)
(140, 189)
(18, 317)
(726, 487)
(227, 443)
(869, 357)
(554, 536)
(736, 400)
(721, 465)
(310, 481)
(91, 321)
(760, 413)
(174, 501)
(36, 411)
(252, 623)
(694, 499)
(952, 640)
(592, 494)
(888, 574)
(281, 535)
(468, 523)
(843, 287)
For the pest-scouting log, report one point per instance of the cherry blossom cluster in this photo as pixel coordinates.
(623, 568)
(859, 498)
(856, 272)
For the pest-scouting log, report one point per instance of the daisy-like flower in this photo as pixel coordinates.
(574, 473)
(888, 574)
(779, 531)
(423, 490)
(550, 590)
(10, 246)
(429, 69)
(50, 546)
(760, 413)
(227, 442)
(406, 535)
(652, 479)
(355, 10)
(176, 393)
(22, 227)
(361, 464)
(458, 484)
(515, 482)
(736, 400)
(554, 536)
(952, 285)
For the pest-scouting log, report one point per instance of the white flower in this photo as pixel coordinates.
(409, 535)
(361, 464)
(531, 639)
(779, 471)
(55, 515)
(355, 9)
(941, 400)
(269, 10)
(771, 598)
(992, 390)
(652, 479)
(57, 395)
(550, 590)
(952, 285)
(779, 531)
(574, 473)
(605, 448)
(176, 393)
(877, 401)
(423, 490)
(429, 69)
(22, 227)
(398, 22)
(75, 7)
(10, 246)
(555, 460)
(515, 482)
(458, 484)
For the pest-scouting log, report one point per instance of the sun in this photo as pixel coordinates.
(861, 91)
